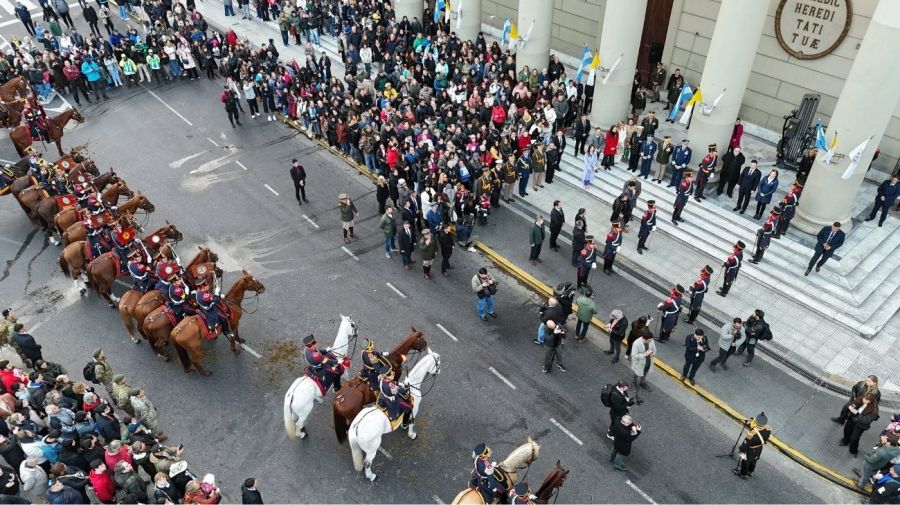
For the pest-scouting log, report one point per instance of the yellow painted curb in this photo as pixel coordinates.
(782, 446)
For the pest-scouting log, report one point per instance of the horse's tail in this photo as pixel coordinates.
(356, 451)
(127, 319)
(63, 264)
(290, 425)
(340, 425)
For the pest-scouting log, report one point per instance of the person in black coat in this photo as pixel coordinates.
(863, 413)
(860, 389)
(249, 493)
(582, 130)
(829, 239)
(618, 405)
(696, 346)
(9, 482)
(624, 432)
(748, 181)
(557, 219)
(732, 161)
(887, 194)
(107, 425)
(27, 345)
(298, 175)
(578, 241)
(11, 451)
(617, 327)
(445, 241)
(70, 456)
(406, 240)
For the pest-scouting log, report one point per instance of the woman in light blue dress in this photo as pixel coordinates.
(590, 164)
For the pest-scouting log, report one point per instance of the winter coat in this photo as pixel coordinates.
(34, 483)
(638, 360)
(586, 309)
(428, 250)
(623, 437)
(104, 485)
(131, 484)
(766, 189)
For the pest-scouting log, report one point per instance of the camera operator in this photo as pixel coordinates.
(624, 433)
(619, 401)
(551, 312)
(555, 335)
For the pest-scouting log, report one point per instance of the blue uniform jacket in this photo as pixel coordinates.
(681, 157)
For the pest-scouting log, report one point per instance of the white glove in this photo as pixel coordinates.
(743, 456)
(593, 265)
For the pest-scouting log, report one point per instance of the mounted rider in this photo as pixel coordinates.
(374, 364)
(94, 227)
(208, 308)
(483, 474)
(37, 124)
(7, 176)
(81, 194)
(326, 366)
(394, 399)
(521, 495)
(139, 271)
(177, 299)
(166, 273)
(124, 241)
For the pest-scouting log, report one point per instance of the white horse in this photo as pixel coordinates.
(371, 423)
(304, 393)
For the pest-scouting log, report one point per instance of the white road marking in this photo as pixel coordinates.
(441, 327)
(213, 142)
(504, 379)
(310, 221)
(251, 351)
(36, 326)
(567, 432)
(222, 136)
(437, 500)
(385, 453)
(240, 164)
(400, 293)
(348, 251)
(270, 189)
(10, 241)
(640, 492)
(154, 95)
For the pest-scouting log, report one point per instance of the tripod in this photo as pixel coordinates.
(736, 442)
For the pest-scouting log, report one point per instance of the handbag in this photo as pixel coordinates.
(491, 288)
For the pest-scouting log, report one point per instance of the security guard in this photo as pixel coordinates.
(648, 224)
(752, 446)
(698, 291)
(732, 266)
(764, 235)
(670, 308)
(682, 195)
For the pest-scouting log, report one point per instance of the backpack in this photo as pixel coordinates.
(766, 333)
(88, 372)
(606, 395)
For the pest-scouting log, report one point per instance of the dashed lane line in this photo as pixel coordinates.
(566, 431)
(251, 351)
(270, 189)
(441, 327)
(348, 251)
(240, 164)
(640, 492)
(504, 379)
(213, 142)
(399, 293)
(310, 221)
(437, 499)
(154, 95)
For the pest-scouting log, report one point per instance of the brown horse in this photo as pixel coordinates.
(13, 113)
(554, 480)
(153, 299)
(25, 180)
(21, 137)
(202, 270)
(14, 88)
(28, 199)
(47, 210)
(356, 393)
(68, 223)
(188, 335)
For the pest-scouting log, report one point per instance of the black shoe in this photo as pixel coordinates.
(755, 262)
(484, 318)
(493, 314)
(692, 382)
(615, 360)
(806, 273)
(724, 366)
(746, 363)
(607, 352)
(305, 200)
(870, 219)
(712, 368)
(838, 420)
(640, 251)
(239, 123)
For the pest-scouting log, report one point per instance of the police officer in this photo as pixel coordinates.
(325, 366)
(764, 235)
(752, 446)
(613, 243)
(392, 399)
(374, 364)
(648, 224)
(698, 291)
(707, 169)
(680, 159)
(732, 266)
(670, 308)
(681, 196)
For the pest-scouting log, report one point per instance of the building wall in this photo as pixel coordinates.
(778, 80)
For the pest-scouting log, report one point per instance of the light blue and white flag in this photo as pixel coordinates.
(683, 97)
(586, 59)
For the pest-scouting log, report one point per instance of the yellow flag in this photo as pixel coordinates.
(596, 61)
(698, 97)
(513, 31)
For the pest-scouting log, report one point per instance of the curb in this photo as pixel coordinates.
(785, 448)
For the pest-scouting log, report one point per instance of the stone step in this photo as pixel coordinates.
(864, 258)
(774, 277)
(882, 304)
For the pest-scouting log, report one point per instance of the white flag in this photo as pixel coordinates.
(716, 101)
(459, 14)
(612, 69)
(855, 156)
(686, 117)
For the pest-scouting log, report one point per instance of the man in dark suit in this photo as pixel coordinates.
(298, 174)
(582, 130)
(732, 162)
(747, 184)
(27, 345)
(888, 191)
(407, 241)
(557, 219)
(559, 140)
(828, 240)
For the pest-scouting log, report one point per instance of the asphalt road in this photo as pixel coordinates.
(229, 189)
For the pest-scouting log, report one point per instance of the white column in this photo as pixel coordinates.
(409, 8)
(536, 52)
(732, 51)
(623, 24)
(471, 20)
(865, 107)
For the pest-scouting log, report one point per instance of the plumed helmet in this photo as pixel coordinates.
(482, 450)
(309, 340)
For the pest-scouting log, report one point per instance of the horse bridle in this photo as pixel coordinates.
(433, 376)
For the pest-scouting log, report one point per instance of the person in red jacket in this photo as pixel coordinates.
(9, 375)
(102, 482)
(609, 148)
(115, 452)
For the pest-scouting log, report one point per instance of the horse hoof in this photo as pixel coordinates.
(372, 477)
(82, 291)
(412, 436)
(302, 434)
(136, 341)
(188, 370)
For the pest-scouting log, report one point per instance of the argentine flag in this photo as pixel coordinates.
(586, 59)
(507, 28)
(821, 141)
(685, 95)
(438, 7)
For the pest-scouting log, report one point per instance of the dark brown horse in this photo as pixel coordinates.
(356, 393)
(25, 180)
(187, 337)
(551, 485)
(68, 221)
(17, 87)
(13, 113)
(21, 137)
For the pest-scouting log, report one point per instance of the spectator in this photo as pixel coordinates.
(755, 329)
(102, 482)
(729, 338)
(34, 480)
(128, 482)
(696, 346)
(863, 413)
(164, 490)
(624, 433)
(880, 457)
(642, 360)
(585, 312)
(556, 334)
(618, 405)
(249, 493)
(551, 312)
(638, 329)
(484, 287)
(31, 350)
(59, 493)
(617, 326)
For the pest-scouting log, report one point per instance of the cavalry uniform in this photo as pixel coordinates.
(123, 241)
(81, 195)
(648, 224)
(732, 266)
(37, 124)
(707, 169)
(166, 273)
(764, 235)
(521, 495)
(698, 291)
(788, 210)
(394, 399)
(208, 307)
(140, 273)
(7, 177)
(670, 308)
(373, 365)
(681, 197)
(324, 366)
(613, 243)
(586, 261)
(177, 297)
(752, 446)
(483, 474)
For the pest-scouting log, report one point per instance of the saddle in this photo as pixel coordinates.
(204, 329)
(395, 423)
(171, 315)
(315, 378)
